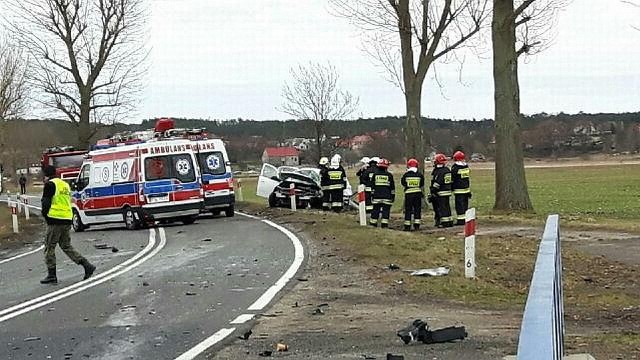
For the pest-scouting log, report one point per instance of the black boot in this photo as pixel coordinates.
(51, 277)
(88, 268)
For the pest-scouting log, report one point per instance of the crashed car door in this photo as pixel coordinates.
(267, 181)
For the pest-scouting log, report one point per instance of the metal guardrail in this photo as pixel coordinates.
(542, 330)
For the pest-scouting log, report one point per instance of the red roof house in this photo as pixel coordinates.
(279, 156)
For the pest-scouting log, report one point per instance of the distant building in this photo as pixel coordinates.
(279, 156)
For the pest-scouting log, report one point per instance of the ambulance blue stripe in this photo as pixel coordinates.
(207, 177)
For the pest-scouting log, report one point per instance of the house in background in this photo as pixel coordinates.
(279, 156)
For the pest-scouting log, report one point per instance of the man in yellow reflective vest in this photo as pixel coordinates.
(57, 212)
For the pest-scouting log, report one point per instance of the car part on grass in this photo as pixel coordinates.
(419, 330)
(439, 271)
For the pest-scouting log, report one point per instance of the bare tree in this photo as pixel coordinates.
(635, 4)
(519, 27)
(429, 32)
(88, 55)
(313, 94)
(13, 84)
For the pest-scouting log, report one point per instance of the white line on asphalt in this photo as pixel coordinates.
(209, 342)
(261, 302)
(293, 269)
(22, 255)
(117, 270)
(242, 319)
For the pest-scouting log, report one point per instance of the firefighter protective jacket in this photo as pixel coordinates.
(383, 186)
(413, 182)
(460, 175)
(363, 176)
(441, 181)
(335, 179)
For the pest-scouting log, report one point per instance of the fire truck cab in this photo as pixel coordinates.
(66, 159)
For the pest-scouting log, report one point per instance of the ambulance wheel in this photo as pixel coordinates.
(76, 222)
(229, 212)
(188, 220)
(130, 221)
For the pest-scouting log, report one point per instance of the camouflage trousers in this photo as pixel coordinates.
(59, 235)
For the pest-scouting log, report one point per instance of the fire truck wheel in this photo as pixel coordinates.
(76, 222)
(130, 221)
(188, 220)
(230, 211)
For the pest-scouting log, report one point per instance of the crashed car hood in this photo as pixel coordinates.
(298, 179)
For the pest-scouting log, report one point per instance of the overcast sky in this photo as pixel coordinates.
(221, 60)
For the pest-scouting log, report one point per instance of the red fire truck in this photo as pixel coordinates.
(66, 159)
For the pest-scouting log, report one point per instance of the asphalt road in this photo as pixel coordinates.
(167, 293)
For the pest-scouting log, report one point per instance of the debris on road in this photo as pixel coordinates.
(394, 357)
(393, 267)
(114, 249)
(266, 353)
(302, 279)
(280, 347)
(190, 293)
(439, 271)
(246, 335)
(419, 330)
(101, 246)
(32, 338)
(207, 239)
(317, 311)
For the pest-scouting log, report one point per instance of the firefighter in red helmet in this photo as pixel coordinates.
(383, 194)
(413, 183)
(440, 191)
(461, 191)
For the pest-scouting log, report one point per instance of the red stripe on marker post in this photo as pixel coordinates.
(470, 227)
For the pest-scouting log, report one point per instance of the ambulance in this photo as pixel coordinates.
(138, 184)
(217, 178)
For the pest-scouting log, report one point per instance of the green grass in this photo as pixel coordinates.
(582, 195)
(5, 220)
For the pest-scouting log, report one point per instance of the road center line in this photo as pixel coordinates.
(119, 269)
(262, 300)
(22, 255)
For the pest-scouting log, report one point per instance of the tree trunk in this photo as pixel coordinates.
(84, 126)
(319, 133)
(414, 145)
(511, 183)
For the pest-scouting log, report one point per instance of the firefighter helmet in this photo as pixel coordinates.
(323, 160)
(458, 156)
(383, 163)
(365, 160)
(439, 159)
(412, 163)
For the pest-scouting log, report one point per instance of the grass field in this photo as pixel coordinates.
(5, 220)
(588, 194)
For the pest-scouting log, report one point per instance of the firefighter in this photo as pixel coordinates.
(383, 194)
(56, 210)
(335, 183)
(413, 183)
(461, 191)
(363, 177)
(324, 181)
(440, 191)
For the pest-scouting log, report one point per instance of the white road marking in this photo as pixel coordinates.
(119, 269)
(291, 272)
(242, 319)
(209, 342)
(22, 255)
(261, 302)
(247, 215)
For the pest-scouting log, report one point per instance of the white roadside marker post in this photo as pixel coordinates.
(14, 216)
(362, 207)
(25, 201)
(292, 196)
(239, 189)
(470, 243)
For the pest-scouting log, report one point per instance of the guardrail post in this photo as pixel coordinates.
(14, 216)
(292, 196)
(470, 243)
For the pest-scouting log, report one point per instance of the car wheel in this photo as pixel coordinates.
(215, 212)
(230, 211)
(76, 222)
(130, 221)
(273, 201)
(188, 220)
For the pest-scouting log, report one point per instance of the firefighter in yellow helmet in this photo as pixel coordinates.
(57, 212)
